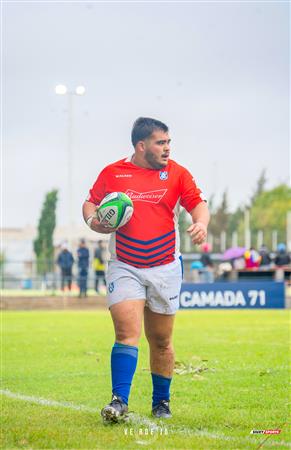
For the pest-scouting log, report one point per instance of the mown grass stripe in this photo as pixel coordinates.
(136, 419)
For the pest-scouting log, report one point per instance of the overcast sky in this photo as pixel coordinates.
(216, 73)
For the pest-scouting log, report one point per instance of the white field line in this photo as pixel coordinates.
(46, 402)
(138, 420)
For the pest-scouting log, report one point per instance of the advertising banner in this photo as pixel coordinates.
(253, 294)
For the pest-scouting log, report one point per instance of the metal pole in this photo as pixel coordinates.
(234, 239)
(188, 243)
(247, 229)
(210, 241)
(274, 240)
(260, 238)
(288, 231)
(70, 157)
(223, 241)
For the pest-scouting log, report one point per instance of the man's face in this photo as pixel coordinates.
(157, 149)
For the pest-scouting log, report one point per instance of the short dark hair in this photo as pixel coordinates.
(143, 128)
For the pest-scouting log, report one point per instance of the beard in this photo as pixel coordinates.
(151, 159)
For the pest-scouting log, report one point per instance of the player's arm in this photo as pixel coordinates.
(90, 207)
(90, 217)
(200, 218)
(192, 200)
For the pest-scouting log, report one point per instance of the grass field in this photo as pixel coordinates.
(233, 379)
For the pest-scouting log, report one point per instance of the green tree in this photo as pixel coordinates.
(43, 244)
(269, 212)
(222, 213)
(219, 219)
(210, 204)
(234, 221)
(260, 187)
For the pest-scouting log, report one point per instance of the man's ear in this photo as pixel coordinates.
(140, 146)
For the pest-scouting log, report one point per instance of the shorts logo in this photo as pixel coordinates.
(150, 196)
(164, 175)
(111, 287)
(174, 298)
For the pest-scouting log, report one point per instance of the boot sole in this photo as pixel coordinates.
(110, 415)
(165, 416)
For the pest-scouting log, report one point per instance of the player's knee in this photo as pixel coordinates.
(162, 343)
(128, 336)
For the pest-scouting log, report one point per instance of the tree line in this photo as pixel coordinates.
(267, 208)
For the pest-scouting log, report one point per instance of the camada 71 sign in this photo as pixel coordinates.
(268, 294)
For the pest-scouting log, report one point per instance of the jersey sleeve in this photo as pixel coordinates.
(98, 190)
(191, 195)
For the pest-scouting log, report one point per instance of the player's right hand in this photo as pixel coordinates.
(99, 228)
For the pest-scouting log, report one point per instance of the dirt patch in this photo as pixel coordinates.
(50, 303)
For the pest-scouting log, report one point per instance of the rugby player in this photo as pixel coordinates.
(145, 269)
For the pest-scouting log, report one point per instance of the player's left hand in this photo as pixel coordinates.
(198, 232)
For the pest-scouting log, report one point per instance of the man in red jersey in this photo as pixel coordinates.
(145, 269)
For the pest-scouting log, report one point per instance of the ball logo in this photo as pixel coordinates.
(111, 287)
(108, 215)
(164, 175)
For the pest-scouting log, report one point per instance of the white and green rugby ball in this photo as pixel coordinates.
(115, 210)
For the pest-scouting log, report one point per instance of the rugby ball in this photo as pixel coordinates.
(115, 210)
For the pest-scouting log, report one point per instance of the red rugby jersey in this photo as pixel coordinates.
(151, 237)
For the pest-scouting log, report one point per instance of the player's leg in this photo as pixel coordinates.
(158, 331)
(80, 282)
(96, 281)
(127, 319)
(164, 284)
(69, 279)
(63, 279)
(85, 282)
(126, 299)
(103, 278)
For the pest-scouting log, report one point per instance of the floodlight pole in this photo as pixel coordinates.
(62, 90)
(70, 157)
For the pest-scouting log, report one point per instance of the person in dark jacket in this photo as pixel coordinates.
(65, 261)
(83, 266)
(265, 255)
(206, 272)
(282, 258)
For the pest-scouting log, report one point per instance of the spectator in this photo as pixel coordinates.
(65, 261)
(252, 259)
(282, 258)
(99, 266)
(265, 257)
(195, 268)
(239, 263)
(83, 265)
(224, 270)
(206, 261)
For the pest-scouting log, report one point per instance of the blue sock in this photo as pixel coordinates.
(161, 388)
(123, 365)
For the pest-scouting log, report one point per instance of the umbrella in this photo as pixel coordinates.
(233, 253)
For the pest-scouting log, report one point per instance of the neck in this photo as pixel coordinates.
(140, 162)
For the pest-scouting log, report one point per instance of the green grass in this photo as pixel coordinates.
(236, 380)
